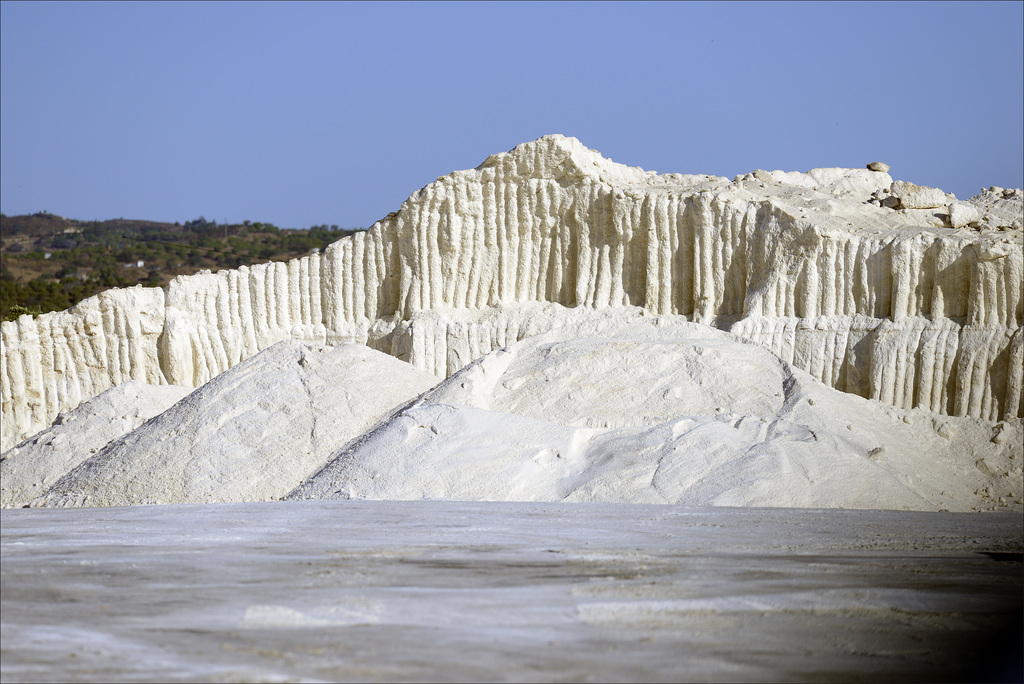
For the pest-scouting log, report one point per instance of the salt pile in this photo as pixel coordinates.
(251, 434)
(30, 468)
(829, 338)
(658, 410)
(880, 288)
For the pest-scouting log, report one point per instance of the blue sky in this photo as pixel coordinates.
(304, 114)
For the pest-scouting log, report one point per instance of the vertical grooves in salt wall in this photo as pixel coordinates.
(908, 318)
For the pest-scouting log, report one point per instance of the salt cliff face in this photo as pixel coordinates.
(861, 282)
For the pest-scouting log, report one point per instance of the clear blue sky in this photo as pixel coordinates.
(304, 114)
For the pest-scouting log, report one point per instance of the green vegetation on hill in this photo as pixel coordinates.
(50, 263)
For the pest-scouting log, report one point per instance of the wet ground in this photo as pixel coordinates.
(463, 591)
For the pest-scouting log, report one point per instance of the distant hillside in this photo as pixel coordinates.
(49, 263)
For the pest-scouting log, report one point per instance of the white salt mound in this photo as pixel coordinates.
(621, 369)
(579, 309)
(251, 434)
(27, 470)
(697, 417)
(875, 286)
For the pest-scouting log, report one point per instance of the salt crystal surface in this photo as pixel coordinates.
(452, 591)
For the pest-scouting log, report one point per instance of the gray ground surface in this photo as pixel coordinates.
(442, 590)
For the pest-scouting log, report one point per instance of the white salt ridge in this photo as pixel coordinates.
(930, 314)
(251, 434)
(696, 417)
(27, 470)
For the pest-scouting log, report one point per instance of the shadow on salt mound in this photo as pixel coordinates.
(252, 433)
(748, 431)
(28, 469)
(622, 372)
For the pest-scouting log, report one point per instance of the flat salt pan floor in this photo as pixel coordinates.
(444, 590)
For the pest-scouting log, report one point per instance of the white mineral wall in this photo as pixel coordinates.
(800, 269)
(214, 321)
(942, 365)
(887, 304)
(57, 361)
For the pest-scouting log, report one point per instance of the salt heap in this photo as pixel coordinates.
(27, 470)
(885, 290)
(880, 289)
(634, 408)
(251, 434)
